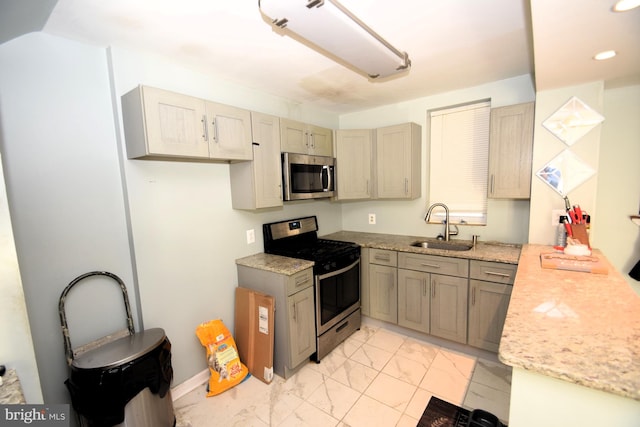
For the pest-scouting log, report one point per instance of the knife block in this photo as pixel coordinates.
(579, 232)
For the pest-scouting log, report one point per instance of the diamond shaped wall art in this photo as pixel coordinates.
(572, 121)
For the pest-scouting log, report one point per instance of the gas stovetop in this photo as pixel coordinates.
(297, 238)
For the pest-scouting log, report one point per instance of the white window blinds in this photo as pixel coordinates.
(459, 142)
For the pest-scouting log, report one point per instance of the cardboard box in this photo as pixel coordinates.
(254, 332)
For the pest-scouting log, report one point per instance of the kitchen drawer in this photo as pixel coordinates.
(434, 264)
(383, 257)
(300, 281)
(493, 271)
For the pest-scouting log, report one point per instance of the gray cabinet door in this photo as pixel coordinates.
(487, 310)
(302, 329)
(414, 292)
(449, 307)
(510, 151)
(353, 159)
(398, 161)
(383, 292)
(258, 184)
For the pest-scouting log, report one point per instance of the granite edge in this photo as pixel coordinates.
(511, 352)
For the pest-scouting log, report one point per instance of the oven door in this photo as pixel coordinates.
(337, 296)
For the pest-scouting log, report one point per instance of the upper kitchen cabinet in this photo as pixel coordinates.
(353, 159)
(510, 151)
(229, 132)
(398, 161)
(162, 124)
(258, 184)
(302, 138)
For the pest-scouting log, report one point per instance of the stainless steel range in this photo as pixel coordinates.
(336, 276)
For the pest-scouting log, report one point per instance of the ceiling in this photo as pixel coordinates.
(452, 44)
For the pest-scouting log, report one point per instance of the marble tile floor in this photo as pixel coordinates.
(376, 377)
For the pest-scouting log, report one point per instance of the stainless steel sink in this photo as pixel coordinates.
(441, 244)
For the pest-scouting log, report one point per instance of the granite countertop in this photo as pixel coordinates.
(484, 251)
(10, 390)
(574, 326)
(275, 263)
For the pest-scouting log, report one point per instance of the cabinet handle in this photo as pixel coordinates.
(368, 191)
(406, 186)
(424, 287)
(205, 130)
(494, 273)
(295, 312)
(312, 140)
(426, 264)
(382, 257)
(473, 296)
(492, 183)
(214, 123)
(306, 137)
(433, 288)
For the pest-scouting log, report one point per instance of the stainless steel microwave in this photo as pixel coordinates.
(307, 177)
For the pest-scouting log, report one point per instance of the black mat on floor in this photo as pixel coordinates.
(440, 413)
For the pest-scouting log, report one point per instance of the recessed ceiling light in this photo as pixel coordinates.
(624, 5)
(604, 55)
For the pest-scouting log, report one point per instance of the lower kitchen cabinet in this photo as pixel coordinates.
(302, 327)
(364, 282)
(414, 293)
(295, 328)
(383, 297)
(456, 299)
(487, 311)
(383, 284)
(449, 307)
(490, 291)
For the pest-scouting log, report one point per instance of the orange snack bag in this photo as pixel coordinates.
(225, 366)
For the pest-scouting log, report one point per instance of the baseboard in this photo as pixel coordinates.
(190, 384)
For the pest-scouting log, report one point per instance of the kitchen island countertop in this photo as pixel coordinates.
(484, 251)
(575, 326)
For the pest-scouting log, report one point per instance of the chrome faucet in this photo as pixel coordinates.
(447, 232)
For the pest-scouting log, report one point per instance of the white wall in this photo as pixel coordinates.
(508, 220)
(64, 191)
(619, 181)
(546, 146)
(16, 351)
(185, 233)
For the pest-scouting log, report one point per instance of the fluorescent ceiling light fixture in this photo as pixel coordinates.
(607, 54)
(337, 33)
(624, 5)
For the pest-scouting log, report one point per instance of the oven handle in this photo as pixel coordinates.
(335, 273)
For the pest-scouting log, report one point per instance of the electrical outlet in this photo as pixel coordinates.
(372, 218)
(251, 236)
(555, 216)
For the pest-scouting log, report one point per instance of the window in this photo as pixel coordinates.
(459, 140)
